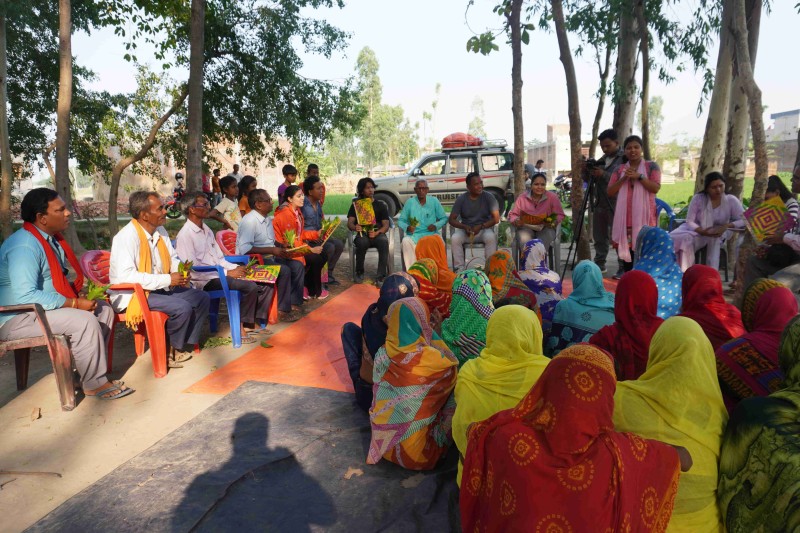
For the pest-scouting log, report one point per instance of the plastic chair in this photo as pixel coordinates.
(57, 345)
(661, 205)
(232, 297)
(351, 249)
(226, 239)
(553, 253)
(95, 265)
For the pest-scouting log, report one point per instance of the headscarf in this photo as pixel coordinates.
(704, 303)
(505, 371)
(751, 296)
(555, 462)
(628, 339)
(545, 283)
(678, 400)
(414, 377)
(584, 312)
(465, 330)
(655, 255)
(426, 273)
(506, 283)
(760, 461)
(748, 366)
(432, 247)
(640, 211)
(396, 286)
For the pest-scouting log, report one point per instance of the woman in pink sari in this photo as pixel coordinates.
(635, 185)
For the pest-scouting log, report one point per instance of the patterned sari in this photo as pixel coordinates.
(655, 255)
(759, 467)
(704, 303)
(506, 283)
(426, 273)
(584, 312)
(544, 283)
(505, 371)
(555, 462)
(628, 339)
(433, 247)
(748, 366)
(414, 376)
(465, 330)
(678, 400)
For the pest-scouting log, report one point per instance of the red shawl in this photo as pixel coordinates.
(773, 311)
(60, 282)
(636, 311)
(555, 463)
(703, 302)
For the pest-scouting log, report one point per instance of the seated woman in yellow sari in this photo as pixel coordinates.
(678, 401)
(414, 376)
(503, 374)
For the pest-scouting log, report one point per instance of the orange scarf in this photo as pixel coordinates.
(60, 282)
(134, 314)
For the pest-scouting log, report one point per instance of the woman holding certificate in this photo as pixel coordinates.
(536, 213)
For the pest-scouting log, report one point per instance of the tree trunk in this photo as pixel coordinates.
(516, 96)
(716, 134)
(644, 48)
(602, 70)
(797, 156)
(625, 76)
(194, 149)
(6, 175)
(738, 114)
(756, 110)
(574, 113)
(122, 164)
(63, 183)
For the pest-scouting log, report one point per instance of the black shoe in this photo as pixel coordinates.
(332, 281)
(359, 278)
(602, 268)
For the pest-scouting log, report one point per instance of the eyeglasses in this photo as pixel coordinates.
(422, 188)
(201, 206)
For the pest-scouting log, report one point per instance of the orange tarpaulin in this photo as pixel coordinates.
(308, 353)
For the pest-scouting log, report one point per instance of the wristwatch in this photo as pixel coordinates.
(641, 177)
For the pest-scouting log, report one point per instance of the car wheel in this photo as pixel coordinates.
(391, 206)
(501, 199)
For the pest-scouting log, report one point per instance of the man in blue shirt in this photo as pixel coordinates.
(313, 216)
(26, 277)
(430, 219)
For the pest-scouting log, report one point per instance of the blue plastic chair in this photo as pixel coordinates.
(243, 260)
(231, 297)
(661, 205)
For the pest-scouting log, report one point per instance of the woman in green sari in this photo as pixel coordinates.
(759, 482)
(465, 330)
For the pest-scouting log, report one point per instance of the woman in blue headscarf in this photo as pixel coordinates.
(584, 312)
(360, 344)
(655, 255)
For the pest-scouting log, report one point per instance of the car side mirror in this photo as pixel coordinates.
(416, 172)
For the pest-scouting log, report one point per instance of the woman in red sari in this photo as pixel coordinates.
(636, 312)
(555, 463)
(704, 303)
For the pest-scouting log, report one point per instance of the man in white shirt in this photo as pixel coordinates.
(195, 242)
(257, 236)
(169, 290)
(236, 174)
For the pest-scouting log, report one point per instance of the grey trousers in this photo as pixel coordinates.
(602, 220)
(546, 235)
(88, 337)
(459, 237)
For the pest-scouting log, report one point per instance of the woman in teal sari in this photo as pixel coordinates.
(759, 481)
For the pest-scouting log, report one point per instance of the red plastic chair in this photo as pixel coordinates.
(226, 239)
(95, 265)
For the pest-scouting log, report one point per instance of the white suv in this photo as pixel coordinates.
(446, 174)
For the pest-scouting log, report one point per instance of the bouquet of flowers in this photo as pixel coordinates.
(413, 222)
(185, 267)
(248, 268)
(96, 292)
(290, 236)
(328, 227)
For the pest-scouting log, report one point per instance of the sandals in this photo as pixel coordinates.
(248, 339)
(105, 394)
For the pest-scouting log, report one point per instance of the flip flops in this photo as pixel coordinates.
(104, 394)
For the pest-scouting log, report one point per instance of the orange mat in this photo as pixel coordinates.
(308, 353)
(566, 285)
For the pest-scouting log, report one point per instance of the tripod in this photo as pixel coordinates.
(578, 221)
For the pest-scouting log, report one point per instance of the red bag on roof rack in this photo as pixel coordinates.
(460, 140)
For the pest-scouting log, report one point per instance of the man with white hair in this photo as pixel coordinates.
(428, 217)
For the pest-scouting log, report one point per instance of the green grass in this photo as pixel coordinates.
(682, 191)
(337, 204)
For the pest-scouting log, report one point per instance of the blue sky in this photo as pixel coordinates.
(422, 43)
